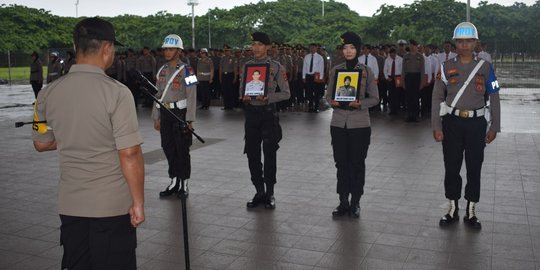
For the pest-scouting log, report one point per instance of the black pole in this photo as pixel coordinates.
(183, 194)
(185, 226)
(20, 124)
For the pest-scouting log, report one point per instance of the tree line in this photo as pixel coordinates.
(511, 29)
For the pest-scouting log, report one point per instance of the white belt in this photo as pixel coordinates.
(466, 113)
(181, 104)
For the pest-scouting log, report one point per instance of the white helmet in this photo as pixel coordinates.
(465, 30)
(173, 41)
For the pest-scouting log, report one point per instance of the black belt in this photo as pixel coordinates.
(261, 108)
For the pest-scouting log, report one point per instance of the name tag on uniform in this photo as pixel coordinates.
(190, 80)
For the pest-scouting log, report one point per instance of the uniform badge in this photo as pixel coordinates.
(176, 84)
(438, 76)
(285, 76)
(453, 71)
(479, 82)
(453, 80)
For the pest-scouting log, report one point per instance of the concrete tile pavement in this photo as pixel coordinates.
(398, 227)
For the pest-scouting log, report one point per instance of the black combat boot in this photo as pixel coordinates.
(354, 212)
(343, 207)
(260, 197)
(257, 199)
(470, 216)
(171, 189)
(270, 200)
(452, 215)
(184, 190)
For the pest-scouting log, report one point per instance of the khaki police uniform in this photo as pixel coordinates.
(464, 127)
(181, 99)
(226, 69)
(413, 72)
(205, 73)
(36, 76)
(54, 70)
(91, 117)
(351, 132)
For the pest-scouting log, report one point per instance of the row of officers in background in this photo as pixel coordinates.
(405, 72)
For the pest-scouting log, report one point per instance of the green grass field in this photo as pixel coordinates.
(19, 73)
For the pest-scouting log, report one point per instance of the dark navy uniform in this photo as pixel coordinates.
(262, 127)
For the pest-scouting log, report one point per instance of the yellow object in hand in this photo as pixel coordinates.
(40, 128)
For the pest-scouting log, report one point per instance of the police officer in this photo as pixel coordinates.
(55, 67)
(36, 73)
(350, 128)
(180, 96)
(146, 63)
(205, 76)
(93, 125)
(413, 79)
(262, 123)
(463, 88)
(226, 79)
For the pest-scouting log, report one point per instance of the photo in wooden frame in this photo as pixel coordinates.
(256, 79)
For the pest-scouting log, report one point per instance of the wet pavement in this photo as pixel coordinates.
(397, 229)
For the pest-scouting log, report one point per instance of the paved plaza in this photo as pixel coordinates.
(397, 229)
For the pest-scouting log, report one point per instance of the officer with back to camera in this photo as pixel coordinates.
(262, 123)
(180, 96)
(459, 116)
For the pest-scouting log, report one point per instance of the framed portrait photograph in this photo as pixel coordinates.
(256, 79)
(347, 85)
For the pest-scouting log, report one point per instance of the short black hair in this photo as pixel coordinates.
(86, 46)
(347, 78)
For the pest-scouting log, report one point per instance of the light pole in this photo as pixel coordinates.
(322, 7)
(192, 3)
(77, 9)
(209, 35)
(469, 10)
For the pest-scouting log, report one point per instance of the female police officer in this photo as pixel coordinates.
(350, 128)
(462, 90)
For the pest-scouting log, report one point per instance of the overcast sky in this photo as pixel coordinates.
(111, 8)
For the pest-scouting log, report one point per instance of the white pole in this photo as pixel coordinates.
(77, 9)
(322, 8)
(192, 3)
(193, 26)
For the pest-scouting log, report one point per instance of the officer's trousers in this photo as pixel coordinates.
(383, 90)
(204, 92)
(312, 92)
(230, 96)
(412, 86)
(262, 126)
(425, 97)
(36, 87)
(299, 88)
(463, 135)
(175, 142)
(350, 147)
(393, 96)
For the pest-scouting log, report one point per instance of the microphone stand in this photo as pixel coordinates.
(183, 195)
